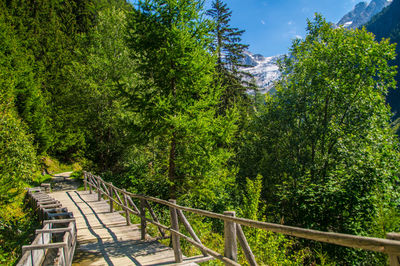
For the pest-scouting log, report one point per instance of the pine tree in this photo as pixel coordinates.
(48, 32)
(17, 153)
(229, 50)
(102, 69)
(176, 99)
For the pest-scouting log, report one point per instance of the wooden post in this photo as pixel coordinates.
(143, 225)
(98, 191)
(394, 259)
(128, 218)
(175, 238)
(85, 180)
(230, 238)
(90, 185)
(110, 197)
(189, 229)
(245, 246)
(153, 215)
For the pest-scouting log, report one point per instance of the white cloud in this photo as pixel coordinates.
(290, 22)
(263, 22)
(298, 36)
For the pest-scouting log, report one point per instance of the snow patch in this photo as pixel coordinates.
(347, 24)
(264, 69)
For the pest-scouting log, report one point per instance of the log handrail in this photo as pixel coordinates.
(34, 253)
(388, 246)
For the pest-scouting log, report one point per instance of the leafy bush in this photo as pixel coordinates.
(17, 225)
(323, 142)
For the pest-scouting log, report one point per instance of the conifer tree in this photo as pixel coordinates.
(17, 154)
(48, 32)
(96, 76)
(229, 50)
(176, 99)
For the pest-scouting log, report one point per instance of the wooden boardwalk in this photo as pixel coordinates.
(105, 239)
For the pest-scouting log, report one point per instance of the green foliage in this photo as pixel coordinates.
(17, 153)
(48, 31)
(323, 143)
(18, 156)
(252, 198)
(226, 45)
(386, 24)
(100, 72)
(137, 94)
(176, 101)
(39, 179)
(77, 175)
(24, 89)
(53, 166)
(17, 225)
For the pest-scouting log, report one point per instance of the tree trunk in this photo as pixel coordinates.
(172, 151)
(172, 170)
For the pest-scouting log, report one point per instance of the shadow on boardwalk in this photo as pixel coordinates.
(103, 237)
(63, 182)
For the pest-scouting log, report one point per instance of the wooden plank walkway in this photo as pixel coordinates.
(105, 239)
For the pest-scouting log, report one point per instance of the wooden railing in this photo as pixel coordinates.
(58, 233)
(232, 227)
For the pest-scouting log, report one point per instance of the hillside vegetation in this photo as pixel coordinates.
(151, 97)
(386, 24)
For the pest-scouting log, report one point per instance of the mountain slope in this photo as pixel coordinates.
(362, 13)
(387, 25)
(265, 69)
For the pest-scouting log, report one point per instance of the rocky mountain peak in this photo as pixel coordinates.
(362, 13)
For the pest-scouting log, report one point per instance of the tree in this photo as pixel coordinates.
(48, 30)
(17, 153)
(28, 98)
(101, 70)
(323, 143)
(176, 100)
(229, 50)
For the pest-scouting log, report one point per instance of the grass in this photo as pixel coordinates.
(53, 166)
(39, 179)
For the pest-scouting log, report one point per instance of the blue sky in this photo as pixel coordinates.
(270, 25)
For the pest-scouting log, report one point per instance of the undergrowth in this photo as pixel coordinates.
(17, 227)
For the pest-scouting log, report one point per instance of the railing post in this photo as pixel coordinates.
(175, 238)
(85, 180)
(394, 259)
(110, 197)
(230, 250)
(98, 191)
(128, 218)
(143, 225)
(90, 185)
(245, 246)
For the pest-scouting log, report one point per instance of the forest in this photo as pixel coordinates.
(151, 96)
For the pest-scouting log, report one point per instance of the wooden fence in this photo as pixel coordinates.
(232, 227)
(58, 234)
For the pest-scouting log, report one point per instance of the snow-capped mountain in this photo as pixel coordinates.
(264, 69)
(362, 13)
